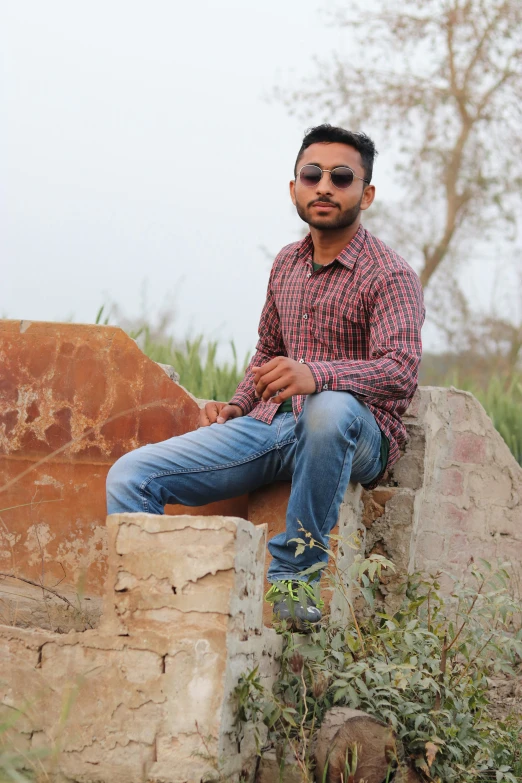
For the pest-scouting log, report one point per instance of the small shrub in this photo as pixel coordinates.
(422, 669)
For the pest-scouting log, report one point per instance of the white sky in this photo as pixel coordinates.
(138, 151)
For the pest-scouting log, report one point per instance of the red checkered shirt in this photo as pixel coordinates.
(356, 323)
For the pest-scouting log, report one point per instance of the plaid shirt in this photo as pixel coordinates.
(356, 323)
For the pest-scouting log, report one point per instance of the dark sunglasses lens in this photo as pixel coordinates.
(310, 175)
(342, 177)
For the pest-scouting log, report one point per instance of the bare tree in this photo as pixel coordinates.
(444, 79)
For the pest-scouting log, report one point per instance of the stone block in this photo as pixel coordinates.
(74, 399)
(430, 547)
(408, 472)
(468, 447)
(149, 698)
(273, 770)
(452, 482)
(491, 486)
(463, 549)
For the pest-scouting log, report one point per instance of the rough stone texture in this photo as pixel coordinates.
(455, 494)
(271, 770)
(73, 399)
(148, 695)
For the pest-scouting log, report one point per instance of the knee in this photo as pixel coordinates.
(325, 414)
(124, 474)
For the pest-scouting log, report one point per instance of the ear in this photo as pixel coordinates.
(368, 196)
(292, 191)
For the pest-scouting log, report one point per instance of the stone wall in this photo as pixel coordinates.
(147, 696)
(455, 495)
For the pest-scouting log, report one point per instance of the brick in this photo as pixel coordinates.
(430, 546)
(452, 482)
(458, 405)
(469, 448)
(491, 486)
(463, 548)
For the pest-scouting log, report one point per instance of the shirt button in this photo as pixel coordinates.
(309, 274)
(325, 386)
(301, 361)
(305, 316)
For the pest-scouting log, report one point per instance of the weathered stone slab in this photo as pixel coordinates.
(73, 398)
(148, 696)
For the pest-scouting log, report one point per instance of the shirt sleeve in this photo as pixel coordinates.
(269, 345)
(396, 319)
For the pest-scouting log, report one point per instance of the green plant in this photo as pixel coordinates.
(422, 669)
(195, 359)
(13, 762)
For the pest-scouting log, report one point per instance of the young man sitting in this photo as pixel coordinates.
(321, 401)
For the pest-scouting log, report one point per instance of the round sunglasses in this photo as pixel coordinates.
(341, 176)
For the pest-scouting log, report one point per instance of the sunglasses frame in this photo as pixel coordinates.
(298, 176)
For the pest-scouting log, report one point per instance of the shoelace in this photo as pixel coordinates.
(275, 594)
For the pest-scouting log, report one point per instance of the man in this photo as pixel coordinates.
(321, 402)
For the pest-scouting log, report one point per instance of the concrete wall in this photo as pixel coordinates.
(148, 695)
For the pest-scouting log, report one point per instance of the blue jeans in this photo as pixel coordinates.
(335, 439)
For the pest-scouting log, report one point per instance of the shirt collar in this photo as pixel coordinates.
(348, 255)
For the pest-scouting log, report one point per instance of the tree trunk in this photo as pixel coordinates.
(348, 736)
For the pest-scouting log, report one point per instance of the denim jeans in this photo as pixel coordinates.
(335, 439)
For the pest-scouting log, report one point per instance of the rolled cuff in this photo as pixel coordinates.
(324, 376)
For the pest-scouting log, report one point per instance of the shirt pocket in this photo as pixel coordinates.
(340, 330)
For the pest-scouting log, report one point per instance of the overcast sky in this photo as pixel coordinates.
(139, 153)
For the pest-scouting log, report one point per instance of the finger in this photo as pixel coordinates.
(212, 411)
(267, 367)
(228, 412)
(283, 395)
(270, 377)
(204, 421)
(276, 386)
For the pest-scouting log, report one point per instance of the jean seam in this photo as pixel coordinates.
(356, 418)
(377, 458)
(163, 473)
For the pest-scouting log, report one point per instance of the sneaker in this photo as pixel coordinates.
(295, 602)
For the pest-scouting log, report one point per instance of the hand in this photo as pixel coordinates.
(283, 377)
(219, 412)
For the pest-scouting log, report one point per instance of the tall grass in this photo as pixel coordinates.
(502, 400)
(199, 369)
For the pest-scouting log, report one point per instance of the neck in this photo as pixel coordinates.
(328, 244)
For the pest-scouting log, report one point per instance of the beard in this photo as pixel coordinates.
(334, 222)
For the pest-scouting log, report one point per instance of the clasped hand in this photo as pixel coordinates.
(281, 378)
(277, 380)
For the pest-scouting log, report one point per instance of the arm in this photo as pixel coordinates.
(395, 344)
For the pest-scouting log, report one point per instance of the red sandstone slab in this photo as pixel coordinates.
(73, 398)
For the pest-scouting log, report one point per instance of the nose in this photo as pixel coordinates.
(324, 185)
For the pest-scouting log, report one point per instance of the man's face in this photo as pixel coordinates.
(324, 206)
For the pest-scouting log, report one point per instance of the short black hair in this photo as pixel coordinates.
(332, 134)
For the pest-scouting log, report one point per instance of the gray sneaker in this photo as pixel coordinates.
(296, 603)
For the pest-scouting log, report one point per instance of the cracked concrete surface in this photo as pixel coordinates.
(148, 694)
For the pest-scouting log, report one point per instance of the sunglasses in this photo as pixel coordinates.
(341, 176)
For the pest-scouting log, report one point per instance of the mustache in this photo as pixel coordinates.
(323, 201)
